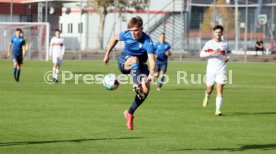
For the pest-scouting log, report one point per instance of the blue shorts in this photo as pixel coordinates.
(121, 64)
(161, 67)
(17, 59)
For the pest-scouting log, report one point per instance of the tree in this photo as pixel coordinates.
(224, 17)
(103, 7)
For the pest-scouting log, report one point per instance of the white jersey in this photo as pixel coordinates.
(216, 63)
(57, 47)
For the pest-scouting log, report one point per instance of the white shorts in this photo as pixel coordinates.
(216, 77)
(57, 60)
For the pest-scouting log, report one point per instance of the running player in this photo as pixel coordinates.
(137, 50)
(162, 52)
(15, 51)
(218, 53)
(57, 49)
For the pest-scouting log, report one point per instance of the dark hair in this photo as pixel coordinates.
(57, 30)
(135, 21)
(162, 34)
(18, 29)
(218, 27)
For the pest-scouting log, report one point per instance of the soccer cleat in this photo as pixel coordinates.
(218, 113)
(55, 80)
(205, 101)
(138, 90)
(16, 80)
(129, 118)
(158, 89)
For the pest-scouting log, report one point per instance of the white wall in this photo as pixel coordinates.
(114, 23)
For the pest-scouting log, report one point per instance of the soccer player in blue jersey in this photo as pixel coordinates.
(162, 52)
(15, 51)
(137, 50)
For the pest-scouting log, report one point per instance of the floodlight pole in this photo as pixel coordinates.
(46, 11)
(11, 10)
(214, 13)
(80, 30)
(245, 32)
(236, 26)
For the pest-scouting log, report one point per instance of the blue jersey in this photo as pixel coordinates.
(17, 44)
(160, 50)
(138, 48)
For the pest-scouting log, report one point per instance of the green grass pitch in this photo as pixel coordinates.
(36, 117)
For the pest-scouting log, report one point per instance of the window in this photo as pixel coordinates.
(70, 28)
(60, 27)
(80, 27)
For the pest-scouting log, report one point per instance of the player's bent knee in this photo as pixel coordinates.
(133, 59)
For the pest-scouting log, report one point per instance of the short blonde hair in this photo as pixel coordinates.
(135, 22)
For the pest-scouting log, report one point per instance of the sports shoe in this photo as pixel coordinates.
(158, 89)
(138, 90)
(218, 113)
(55, 80)
(129, 118)
(205, 101)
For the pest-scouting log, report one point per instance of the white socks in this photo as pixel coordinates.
(206, 94)
(55, 73)
(218, 103)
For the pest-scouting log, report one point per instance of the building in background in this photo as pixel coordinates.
(180, 19)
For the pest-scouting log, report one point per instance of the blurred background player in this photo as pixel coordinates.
(137, 50)
(218, 53)
(259, 46)
(15, 51)
(57, 49)
(26, 46)
(162, 52)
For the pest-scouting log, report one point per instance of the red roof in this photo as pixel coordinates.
(14, 1)
(32, 1)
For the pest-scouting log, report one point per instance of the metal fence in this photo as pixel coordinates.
(182, 21)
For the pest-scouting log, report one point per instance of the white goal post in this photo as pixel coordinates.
(36, 33)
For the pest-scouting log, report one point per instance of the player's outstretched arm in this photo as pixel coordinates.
(228, 56)
(204, 53)
(111, 45)
(9, 50)
(151, 58)
(62, 51)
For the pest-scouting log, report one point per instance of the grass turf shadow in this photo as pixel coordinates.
(242, 148)
(3, 144)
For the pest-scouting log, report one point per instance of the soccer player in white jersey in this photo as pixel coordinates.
(218, 53)
(57, 49)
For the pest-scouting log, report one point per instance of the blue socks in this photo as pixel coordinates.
(135, 72)
(137, 102)
(161, 81)
(16, 73)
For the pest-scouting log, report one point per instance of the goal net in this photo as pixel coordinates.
(36, 34)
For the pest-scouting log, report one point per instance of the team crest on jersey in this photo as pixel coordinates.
(218, 49)
(140, 45)
(128, 41)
